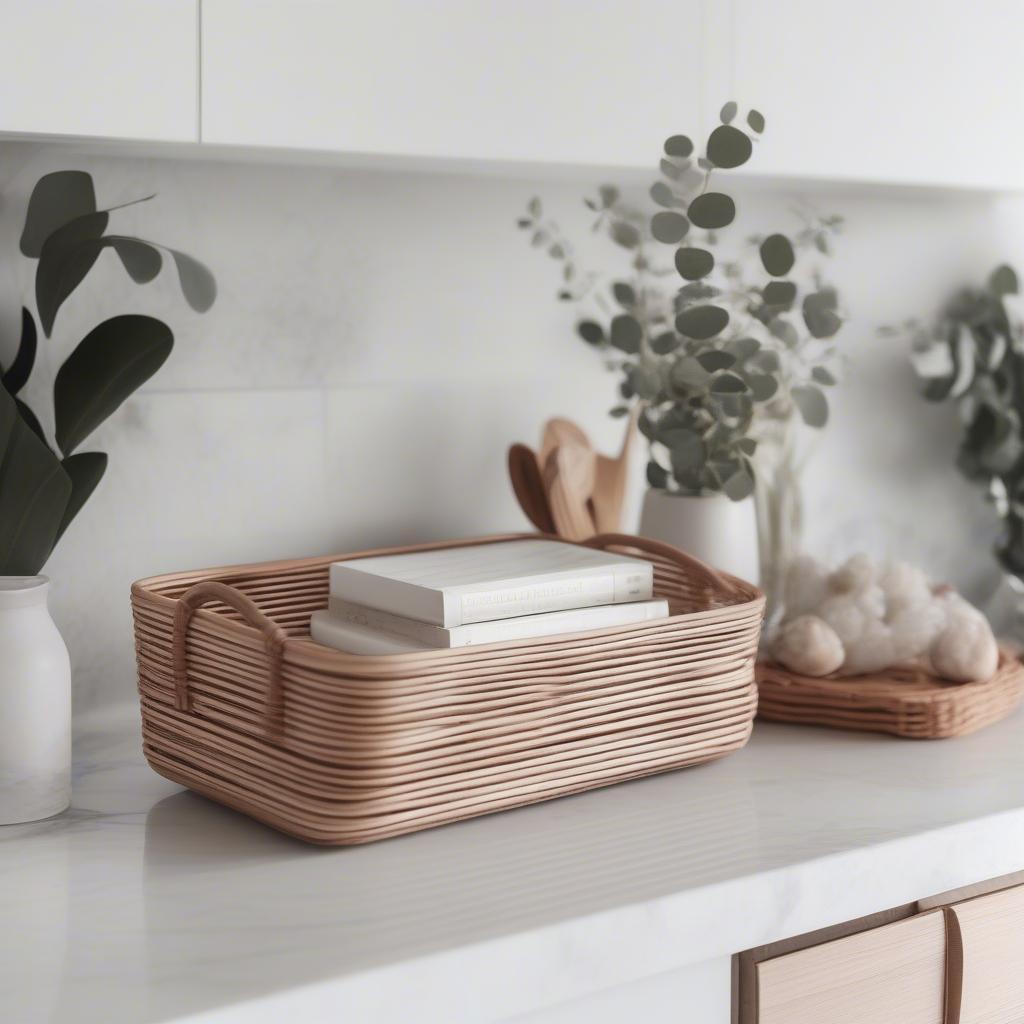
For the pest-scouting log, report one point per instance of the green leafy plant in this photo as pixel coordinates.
(973, 355)
(44, 484)
(717, 356)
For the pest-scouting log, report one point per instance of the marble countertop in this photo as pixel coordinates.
(145, 903)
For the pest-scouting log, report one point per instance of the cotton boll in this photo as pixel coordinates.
(806, 586)
(904, 586)
(850, 614)
(871, 651)
(854, 575)
(809, 646)
(965, 649)
(914, 626)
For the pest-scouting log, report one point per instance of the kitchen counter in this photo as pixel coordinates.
(145, 903)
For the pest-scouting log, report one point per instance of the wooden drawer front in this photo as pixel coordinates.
(992, 931)
(889, 975)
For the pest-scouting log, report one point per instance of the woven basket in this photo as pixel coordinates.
(906, 702)
(240, 705)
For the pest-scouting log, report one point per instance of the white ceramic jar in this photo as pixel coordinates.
(713, 528)
(35, 705)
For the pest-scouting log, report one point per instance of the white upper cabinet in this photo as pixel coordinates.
(599, 82)
(109, 68)
(903, 91)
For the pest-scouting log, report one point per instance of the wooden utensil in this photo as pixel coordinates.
(612, 475)
(569, 475)
(528, 485)
(558, 431)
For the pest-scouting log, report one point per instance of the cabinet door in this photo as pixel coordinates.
(886, 90)
(602, 82)
(112, 68)
(992, 932)
(883, 976)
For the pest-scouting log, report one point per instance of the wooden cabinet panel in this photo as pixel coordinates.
(992, 933)
(886, 90)
(891, 974)
(602, 82)
(111, 68)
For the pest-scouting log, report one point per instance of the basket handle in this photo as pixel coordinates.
(273, 635)
(656, 547)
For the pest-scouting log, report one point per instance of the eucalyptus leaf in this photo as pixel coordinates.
(592, 333)
(678, 145)
(728, 384)
(625, 234)
(670, 170)
(782, 329)
(742, 348)
(779, 293)
(712, 210)
(624, 294)
(756, 121)
(1003, 281)
(822, 375)
(626, 333)
(739, 486)
(609, 195)
(702, 322)
(662, 344)
(729, 147)
(766, 360)
(34, 492)
(728, 112)
(820, 315)
(762, 386)
(693, 263)
(657, 476)
(16, 376)
(747, 445)
(687, 450)
(85, 470)
(140, 259)
(715, 359)
(669, 226)
(111, 362)
(777, 255)
(687, 373)
(197, 283)
(662, 194)
(812, 404)
(57, 199)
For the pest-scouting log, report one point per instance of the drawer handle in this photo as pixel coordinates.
(954, 970)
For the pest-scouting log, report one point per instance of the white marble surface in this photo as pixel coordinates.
(148, 904)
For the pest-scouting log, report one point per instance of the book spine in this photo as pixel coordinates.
(554, 596)
(374, 618)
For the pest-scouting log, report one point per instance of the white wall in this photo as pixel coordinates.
(378, 340)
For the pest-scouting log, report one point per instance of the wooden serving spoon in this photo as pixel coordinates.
(559, 431)
(612, 474)
(569, 475)
(528, 485)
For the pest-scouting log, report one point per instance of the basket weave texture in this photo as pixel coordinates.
(908, 702)
(240, 705)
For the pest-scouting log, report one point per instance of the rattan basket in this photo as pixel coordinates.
(240, 705)
(906, 702)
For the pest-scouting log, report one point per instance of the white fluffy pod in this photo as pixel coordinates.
(808, 645)
(965, 649)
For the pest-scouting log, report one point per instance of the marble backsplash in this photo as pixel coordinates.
(380, 337)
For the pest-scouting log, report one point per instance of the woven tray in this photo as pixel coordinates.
(240, 705)
(906, 702)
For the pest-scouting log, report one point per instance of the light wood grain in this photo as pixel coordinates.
(889, 975)
(993, 939)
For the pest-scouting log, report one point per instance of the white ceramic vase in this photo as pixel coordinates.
(718, 531)
(35, 705)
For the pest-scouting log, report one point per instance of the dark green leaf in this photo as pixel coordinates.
(1003, 281)
(747, 445)
(777, 255)
(782, 329)
(742, 348)
(662, 194)
(687, 373)
(762, 386)
(618, 412)
(728, 112)
(626, 333)
(820, 315)
(702, 322)
(728, 384)
(657, 476)
(812, 404)
(31, 421)
(678, 145)
(715, 359)
(16, 376)
(66, 258)
(712, 210)
(533, 206)
(669, 226)
(686, 449)
(34, 491)
(739, 486)
(142, 260)
(57, 199)
(197, 283)
(112, 361)
(592, 333)
(624, 294)
(822, 375)
(756, 121)
(609, 195)
(664, 343)
(624, 234)
(85, 470)
(779, 293)
(766, 360)
(670, 170)
(728, 146)
(694, 264)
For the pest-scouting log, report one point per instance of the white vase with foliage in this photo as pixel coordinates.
(725, 368)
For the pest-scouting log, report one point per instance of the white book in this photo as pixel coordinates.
(357, 635)
(500, 580)
(572, 620)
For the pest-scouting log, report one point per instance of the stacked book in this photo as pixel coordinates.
(481, 594)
